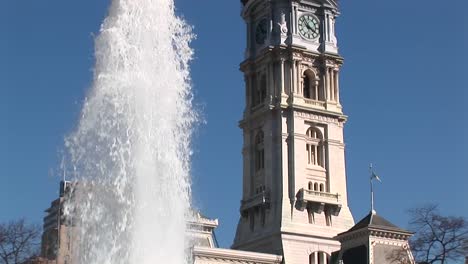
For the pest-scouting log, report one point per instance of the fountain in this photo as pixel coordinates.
(130, 151)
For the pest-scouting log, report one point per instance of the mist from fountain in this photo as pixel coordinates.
(130, 151)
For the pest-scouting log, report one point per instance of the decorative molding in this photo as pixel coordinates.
(307, 8)
(315, 117)
(217, 255)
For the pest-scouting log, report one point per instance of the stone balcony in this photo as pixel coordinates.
(313, 102)
(259, 200)
(319, 201)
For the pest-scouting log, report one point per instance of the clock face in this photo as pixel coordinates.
(309, 26)
(261, 32)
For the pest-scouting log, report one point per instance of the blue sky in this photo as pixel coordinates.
(404, 86)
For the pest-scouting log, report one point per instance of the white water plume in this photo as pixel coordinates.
(130, 151)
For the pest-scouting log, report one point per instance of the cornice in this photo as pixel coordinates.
(291, 53)
(319, 115)
(229, 255)
(374, 232)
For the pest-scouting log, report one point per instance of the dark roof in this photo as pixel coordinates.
(373, 220)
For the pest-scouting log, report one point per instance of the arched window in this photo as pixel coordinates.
(316, 187)
(259, 152)
(306, 86)
(314, 147)
(310, 185)
(322, 189)
(319, 257)
(310, 86)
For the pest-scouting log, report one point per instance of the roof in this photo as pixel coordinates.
(229, 256)
(373, 220)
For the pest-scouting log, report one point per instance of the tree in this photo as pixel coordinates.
(437, 238)
(18, 241)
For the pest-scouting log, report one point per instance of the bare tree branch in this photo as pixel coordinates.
(18, 241)
(437, 238)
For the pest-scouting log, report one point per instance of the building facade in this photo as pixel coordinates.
(294, 206)
(294, 179)
(58, 232)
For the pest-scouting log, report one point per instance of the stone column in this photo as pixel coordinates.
(271, 86)
(316, 89)
(294, 76)
(327, 84)
(337, 85)
(330, 84)
(298, 76)
(247, 91)
(282, 77)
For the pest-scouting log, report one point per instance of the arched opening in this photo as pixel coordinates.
(314, 147)
(306, 85)
(310, 185)
(310, 86)
(316, 187)
(322, 189)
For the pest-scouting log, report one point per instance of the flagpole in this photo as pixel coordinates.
(371, 189)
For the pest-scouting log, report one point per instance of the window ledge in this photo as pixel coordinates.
(315, 168)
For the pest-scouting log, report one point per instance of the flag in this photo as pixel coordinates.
(375, 176)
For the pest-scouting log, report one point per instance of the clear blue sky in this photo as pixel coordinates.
(404, 87)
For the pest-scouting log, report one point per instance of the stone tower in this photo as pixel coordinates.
(294, 199)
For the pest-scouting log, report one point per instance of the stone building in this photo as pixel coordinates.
(294, 197)
(294, 205)
(57, 238)
(294, 181)
(374, 240)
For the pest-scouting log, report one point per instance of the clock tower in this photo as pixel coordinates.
(294, 199)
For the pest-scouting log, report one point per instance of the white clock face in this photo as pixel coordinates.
(309, 27)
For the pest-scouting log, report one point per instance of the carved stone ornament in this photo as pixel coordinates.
(319, 118)
(309, 59)
(308, 8)
(282, 24)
